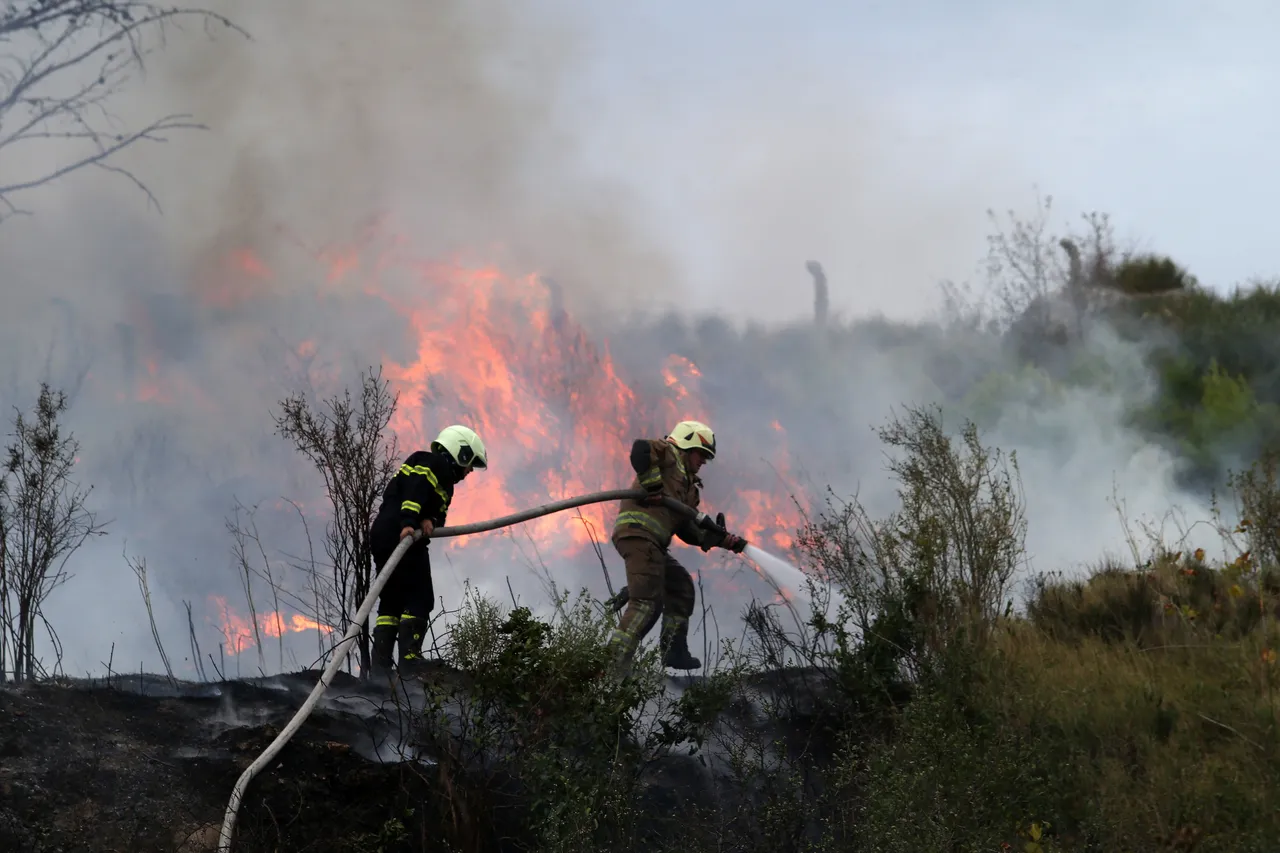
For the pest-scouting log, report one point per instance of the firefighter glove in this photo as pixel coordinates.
(734, 543)
(713, 532)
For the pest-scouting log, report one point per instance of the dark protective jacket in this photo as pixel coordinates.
(421, 489)
(660, 461)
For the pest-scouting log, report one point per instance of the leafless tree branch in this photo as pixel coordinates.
(350, 446)
(61, 62)
(244, 566)
(139, 567)
(196, 660)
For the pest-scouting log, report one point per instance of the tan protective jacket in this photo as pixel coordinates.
(657, 523)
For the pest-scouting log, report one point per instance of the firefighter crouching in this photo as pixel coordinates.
(657, 585)
(418, 496)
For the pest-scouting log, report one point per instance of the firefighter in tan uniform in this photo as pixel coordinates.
(657, 585)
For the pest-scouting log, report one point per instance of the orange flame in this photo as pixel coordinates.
(238, 631)
(679, 373)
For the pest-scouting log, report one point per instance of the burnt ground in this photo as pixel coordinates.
(140, 766)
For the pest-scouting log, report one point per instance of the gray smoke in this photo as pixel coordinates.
(451, 120)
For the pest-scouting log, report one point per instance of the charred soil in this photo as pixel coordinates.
(137, 765)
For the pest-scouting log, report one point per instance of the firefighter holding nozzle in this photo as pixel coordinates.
(657, 585)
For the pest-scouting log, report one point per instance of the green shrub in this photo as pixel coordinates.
(543, 736)
(1150, 274)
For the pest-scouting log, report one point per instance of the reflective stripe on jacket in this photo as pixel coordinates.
(657, 522)
(421, 489)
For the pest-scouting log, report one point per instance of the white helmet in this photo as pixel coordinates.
(463, 445)
(694, 435)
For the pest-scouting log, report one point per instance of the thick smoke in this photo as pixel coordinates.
(451, 119)
(447, 114)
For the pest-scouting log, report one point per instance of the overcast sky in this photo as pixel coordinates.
(873, 135)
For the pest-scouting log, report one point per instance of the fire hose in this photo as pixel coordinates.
(362, 614)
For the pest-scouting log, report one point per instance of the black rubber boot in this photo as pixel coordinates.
(675, 645)
(384, 643)
(410, 639)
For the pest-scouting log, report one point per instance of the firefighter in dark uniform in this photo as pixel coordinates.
(418, 496)
(657, 585)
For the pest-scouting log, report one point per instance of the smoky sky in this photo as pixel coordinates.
(445, 126)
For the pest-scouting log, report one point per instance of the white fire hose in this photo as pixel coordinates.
(340, 652)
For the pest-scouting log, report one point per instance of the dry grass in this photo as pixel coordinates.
(1159, 687)
(1177, 599)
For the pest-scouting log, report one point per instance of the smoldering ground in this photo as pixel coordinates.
(460, 121)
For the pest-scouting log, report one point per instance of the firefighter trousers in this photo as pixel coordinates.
(405, 603)
(657, 586)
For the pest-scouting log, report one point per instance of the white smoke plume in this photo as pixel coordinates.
(455, 121)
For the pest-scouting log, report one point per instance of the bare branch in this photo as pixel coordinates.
(61, 61)
(240, 551)
(139, 567)
(196, 660)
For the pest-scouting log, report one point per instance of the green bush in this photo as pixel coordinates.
(1150, 274)
(535, 729)
(540, 730)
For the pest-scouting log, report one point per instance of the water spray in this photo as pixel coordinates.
(786, 576)
(362, 615)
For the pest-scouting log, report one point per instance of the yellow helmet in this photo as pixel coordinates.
(463, 445)
(694, 435)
